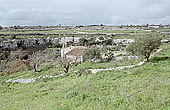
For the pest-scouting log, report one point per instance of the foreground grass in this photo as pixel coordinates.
(143, 88)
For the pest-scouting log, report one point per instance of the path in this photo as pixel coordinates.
(93, 71)
(30, 80)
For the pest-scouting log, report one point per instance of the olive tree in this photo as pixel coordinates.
(145, 46)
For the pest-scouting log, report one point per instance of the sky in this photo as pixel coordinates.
(84, 12)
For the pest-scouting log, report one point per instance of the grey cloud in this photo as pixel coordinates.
(164, 20)
(76, 12)
(117, 20)
(36, 16)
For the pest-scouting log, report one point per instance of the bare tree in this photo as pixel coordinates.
(65, 62)
(35, 60)
(44, 56)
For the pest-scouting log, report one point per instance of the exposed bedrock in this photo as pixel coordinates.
(34, 42)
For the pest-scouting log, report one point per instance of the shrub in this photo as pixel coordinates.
(18, 54)
(91, 41)
(82, 71)
(83, 41)
(101, 38)
(1, 56)
(17, 66)
(13, 36)
(107, 42)
(92, 53)
(145, 46)
(70, 43)
(1, 27)
(56, 45)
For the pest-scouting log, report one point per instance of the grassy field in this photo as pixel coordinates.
(111, 64)
(122, 33)
(35, 31)
(142, 88)
(115, 31)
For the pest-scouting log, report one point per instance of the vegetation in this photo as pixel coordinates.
(83, 41)
(145, 46)
(92, 53)
(19, 60)
(142, 88)
(108, 42)
(65, 62)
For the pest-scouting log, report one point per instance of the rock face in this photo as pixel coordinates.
(23, 43)
(46, 42)
(123, 41)
(35, 42)
(43, 43)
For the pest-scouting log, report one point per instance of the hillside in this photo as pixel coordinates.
(141, 88)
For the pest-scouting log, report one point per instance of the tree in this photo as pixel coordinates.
(65, 62)
(145, 46)
(36, 60)
(39, 57)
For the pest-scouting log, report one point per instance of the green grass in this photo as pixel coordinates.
(115, 31)
(35, 31)
(72, 33)
(142, 88)
(111, 64)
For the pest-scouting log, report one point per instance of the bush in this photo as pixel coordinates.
(101, 38)
(56, 45)
(70, 43)
(17, 66)
(83, 41)
(82, 71)
(92, 53)
(91, 41)
(107, 42)
(1, 27)
(145, 46)
(18, 54)
(13, 36)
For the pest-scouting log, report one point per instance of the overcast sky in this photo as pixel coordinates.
(84, 12)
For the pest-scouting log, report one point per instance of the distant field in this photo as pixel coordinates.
(114, 31)
(121, 33)
(35, 31)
